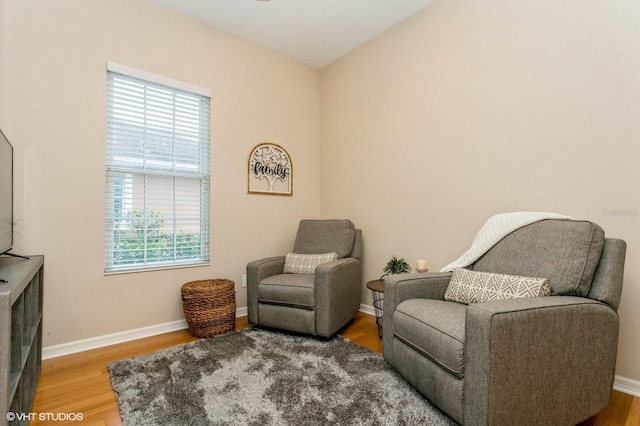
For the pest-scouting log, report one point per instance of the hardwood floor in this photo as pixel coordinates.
(79, 385)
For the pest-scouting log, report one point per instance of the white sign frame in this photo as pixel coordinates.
(270, 170)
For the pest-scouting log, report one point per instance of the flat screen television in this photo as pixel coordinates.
(6, 194)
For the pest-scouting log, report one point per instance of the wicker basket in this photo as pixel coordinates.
(209, 307)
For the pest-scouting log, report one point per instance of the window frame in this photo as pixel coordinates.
(198, 176)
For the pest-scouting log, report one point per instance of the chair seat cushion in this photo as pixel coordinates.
(288, 289)
(435, 328)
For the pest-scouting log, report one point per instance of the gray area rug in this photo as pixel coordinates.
(260, 377)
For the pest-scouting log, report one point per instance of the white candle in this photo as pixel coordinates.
(422, 265)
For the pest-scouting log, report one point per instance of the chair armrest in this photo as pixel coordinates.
(338, 287)
(256, 272)
(401, 287)
(338, 267)
(428, 285)
(263, 268)
(521, 354)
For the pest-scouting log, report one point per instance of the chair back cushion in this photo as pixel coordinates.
(325, 236)
(566, 252)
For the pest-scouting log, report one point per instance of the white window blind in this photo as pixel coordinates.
(157, 174)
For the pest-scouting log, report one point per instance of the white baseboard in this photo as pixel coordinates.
(62, 349)
(367, 309)
(628, 386)
(621, 384)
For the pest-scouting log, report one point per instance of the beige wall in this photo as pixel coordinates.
(2, 25)
(469, 109)
(465, 110)
(53, 110)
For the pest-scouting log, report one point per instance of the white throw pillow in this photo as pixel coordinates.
(474, 287)
(306, 263)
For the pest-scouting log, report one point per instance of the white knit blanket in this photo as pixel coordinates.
(496, 228)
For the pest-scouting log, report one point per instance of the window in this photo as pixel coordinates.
(157, 172)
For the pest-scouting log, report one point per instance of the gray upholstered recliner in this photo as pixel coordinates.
(319, 303)
(522, 361)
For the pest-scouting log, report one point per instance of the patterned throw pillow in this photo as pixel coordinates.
(474, 287)
(306, 263)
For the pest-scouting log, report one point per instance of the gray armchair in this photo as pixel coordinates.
(534, 361)
(319, 303)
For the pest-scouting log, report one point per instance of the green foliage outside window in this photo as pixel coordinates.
(139, 238)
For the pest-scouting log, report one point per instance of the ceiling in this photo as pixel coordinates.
(314, 32)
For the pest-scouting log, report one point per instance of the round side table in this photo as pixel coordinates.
(377, 291)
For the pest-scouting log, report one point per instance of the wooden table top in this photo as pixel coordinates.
(376, 285)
